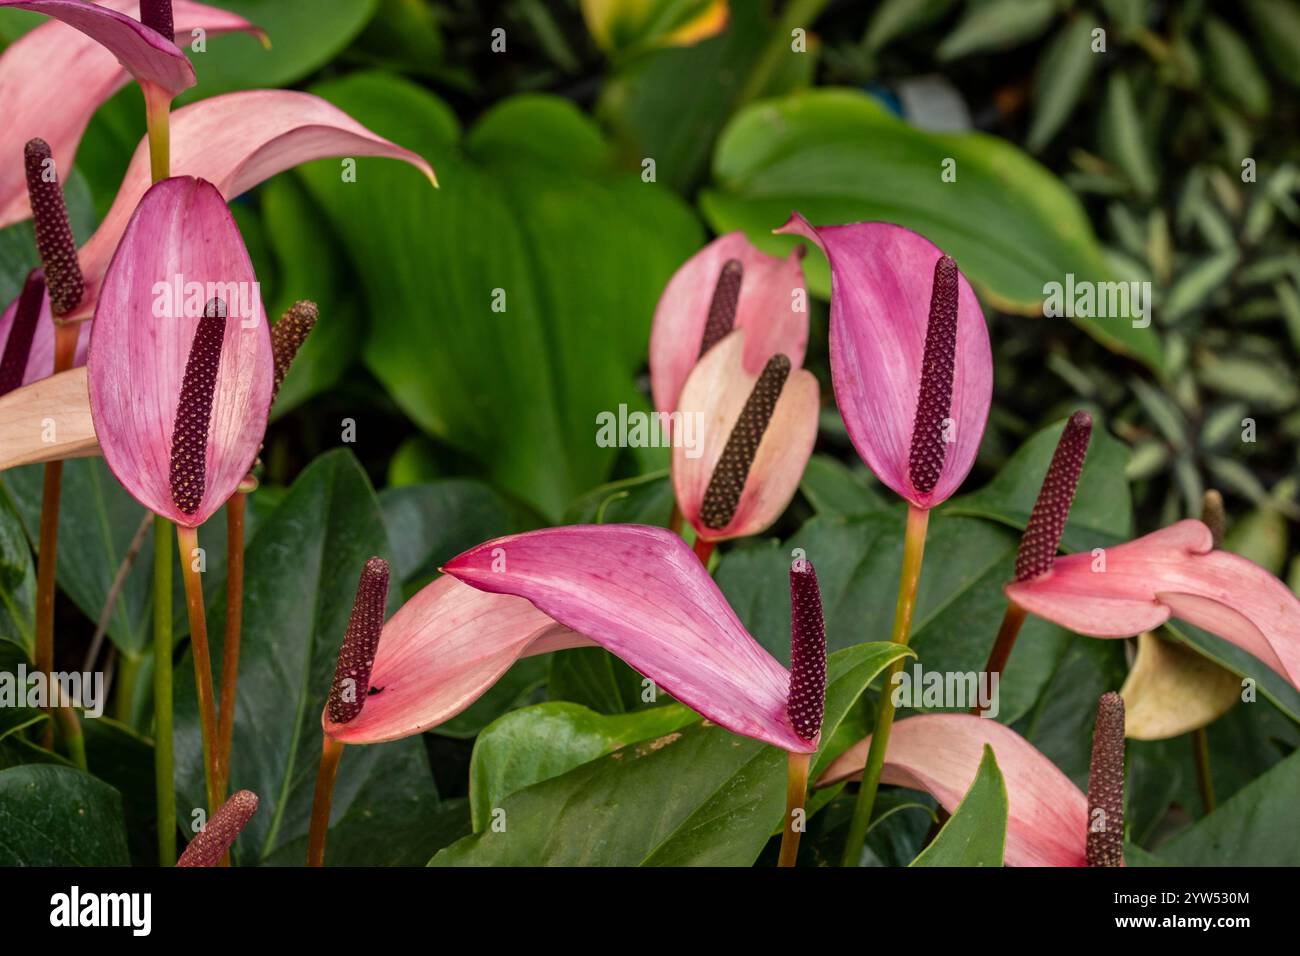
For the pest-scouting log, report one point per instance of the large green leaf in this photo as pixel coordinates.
(57, 816)
(302, 568)
(977, 831)
(17, 580)
(537, 743)
(431, 523)
(699, 796)
(532, 217)
(839, 156)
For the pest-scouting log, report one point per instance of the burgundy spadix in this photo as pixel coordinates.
(357, 656)
(722, 308)
(1042, 538)
(213, 842)
(54, 242)
(18, 347)
(934, 401)
(194, 411)
(1106, 784)
(287, 337)
(157, 15)
(807, 701)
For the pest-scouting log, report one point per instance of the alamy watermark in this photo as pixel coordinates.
(934, 690)
(35, 689)
(636, 429)
(1098, 300)
(180, 298)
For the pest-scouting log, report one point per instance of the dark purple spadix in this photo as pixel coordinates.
(194, 411)
(807, 699)
(287, 337)
(18, 347)
(157, 15)
(213, 842)
(54, 239)
(722, 496)
(1047, 521)
(722, 308)
(357, 656)
(934, 401)
(1106, 784)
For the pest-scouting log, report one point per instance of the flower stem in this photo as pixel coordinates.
(1002, 645)
(187, 539)
(675, 520)
(331, 753)
(162, 691)
(913, 551)
(704, 550)
(70, 728)
(235, 508)
(157, 112)
(1201, 749)
(796, 791)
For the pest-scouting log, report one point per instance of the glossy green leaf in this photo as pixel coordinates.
(1063, 75)
(1125, 135)
(432, 523)
(832, 487)
(839, 156)
(648, 499)
(996, 25)
(58, 816)
(896, 18)
(977, 831)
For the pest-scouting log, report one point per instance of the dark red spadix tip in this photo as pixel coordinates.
(18, 348)
(287, 337)
(722, 496)
(214, 840)
(1106, 784)
(54, 239)
(934, 401)
(722, 309)
(807, 699)
(357, 656)
(157, 15)
(1047, 521)
(194, 411)
(1213, 515)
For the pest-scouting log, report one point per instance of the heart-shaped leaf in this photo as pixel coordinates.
(58, 816)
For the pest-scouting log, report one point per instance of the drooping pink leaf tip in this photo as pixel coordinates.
(287, 337)
(1042, 538)
(157, 15)
(194, 410)
(727, 483)
(213, 842)
(807, 699)
(1106, 784)
(54, 242)
(930, 428)
(357, 656)
(722, 308)
(18, 347)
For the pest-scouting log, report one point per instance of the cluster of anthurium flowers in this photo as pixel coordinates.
(179, 411)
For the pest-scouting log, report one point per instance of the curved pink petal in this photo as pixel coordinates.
(1173, 571)
(47, 420)
(1047, 815)
(881, 279)
(775, 319)
(54, 78)
(440, 652)
(40, 360)
(713, 397)
(642, 595)
(141, 339)
(236, 141)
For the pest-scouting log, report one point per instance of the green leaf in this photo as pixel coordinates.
(699, 796)
(1232, 67)
(1102, 513)
(834, 488)
(1269, 683)
(533, 217)
(58, 816)
(595, 678)
(1193, 288)
(1256, 827)
(648, 499)
(622, 29)
(432, 523)
(1124, 135)
(839, 156)
(17, 580)
(302, 567)
(546, 740)
(996, 25)
(977, 831)
(1276, 24)
(895, 18)
(1063, 74)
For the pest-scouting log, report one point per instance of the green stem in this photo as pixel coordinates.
(128, 676)
(157, 113)
(1201, 749)
(798, 13)
(70, 729)
(913, 553)
(162, 690)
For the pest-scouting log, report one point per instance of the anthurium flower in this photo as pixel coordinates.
(54, 78)
(729, 284)
(637, 591)
(1174, 572)
(740, 466)
(180, 389)
(214, 841)
(1049, 821)
(910, 357)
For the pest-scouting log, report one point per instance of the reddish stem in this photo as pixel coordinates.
(235, 509)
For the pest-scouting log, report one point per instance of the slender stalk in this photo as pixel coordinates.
(675, 520)
(1201, 750)
(704, 550)
(157, 111)
(162, 691)
(913, 552)
(70, 729)
(235, 508)
(47, 558)
(128, 676)
(1002, 645)
(187, 539)
(115, 589)
(796, 791)
(330, 755)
